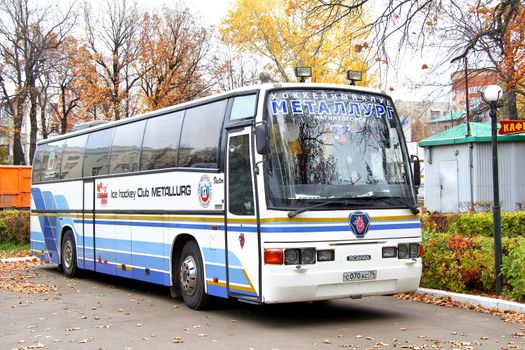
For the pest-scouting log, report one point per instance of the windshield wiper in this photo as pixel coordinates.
(294, 213)
(387, 199)
(355, 200)
(345, 202)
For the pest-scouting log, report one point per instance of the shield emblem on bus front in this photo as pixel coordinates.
(359, 223)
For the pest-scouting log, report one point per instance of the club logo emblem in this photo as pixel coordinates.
(241, 240)
(359, 223)
(204, 191)
(102, 194)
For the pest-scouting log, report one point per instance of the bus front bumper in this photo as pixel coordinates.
(282, 284)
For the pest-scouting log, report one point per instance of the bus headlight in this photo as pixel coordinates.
(325, 255)
(308, 256)
(402, 251)
(389, 252)
(291, 256)
(413, 250)
(295, 256)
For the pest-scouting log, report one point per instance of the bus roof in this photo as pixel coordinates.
(239, 91)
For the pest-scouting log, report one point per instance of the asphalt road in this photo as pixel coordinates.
(101, 312)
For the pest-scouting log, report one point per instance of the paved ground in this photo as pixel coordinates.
(100, 312)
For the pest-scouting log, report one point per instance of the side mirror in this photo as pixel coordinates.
(261, 138)
(417, 170)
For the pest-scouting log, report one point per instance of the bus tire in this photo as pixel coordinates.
(68, 255)
(191, 277)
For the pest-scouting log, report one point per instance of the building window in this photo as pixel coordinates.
(435, 115)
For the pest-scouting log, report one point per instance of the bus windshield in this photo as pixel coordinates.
(335, 146)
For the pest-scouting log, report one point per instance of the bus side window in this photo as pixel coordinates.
(243, 107)
(36, 175)
(125, 149)
(161, 142)
(52, 160)
(96, 159)
(73, 157)
(200, 136)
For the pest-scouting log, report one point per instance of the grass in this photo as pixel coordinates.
(12, 250)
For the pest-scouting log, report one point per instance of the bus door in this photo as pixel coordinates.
(87, 253)
(242, 236)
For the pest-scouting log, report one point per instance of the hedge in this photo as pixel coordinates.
(474, 224)
(459, 253)
(14, 226)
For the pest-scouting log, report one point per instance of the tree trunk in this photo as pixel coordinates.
(18, 150)
(63, 119)
(510, 102)
(43, 121)
(33, 105)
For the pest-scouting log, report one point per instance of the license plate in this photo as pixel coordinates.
(359, 275)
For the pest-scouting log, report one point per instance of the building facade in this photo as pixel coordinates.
(459, 170)
(477, 80)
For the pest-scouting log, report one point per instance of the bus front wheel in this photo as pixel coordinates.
(68, 254)
(191, 277)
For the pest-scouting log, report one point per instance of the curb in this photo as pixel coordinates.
(25, 258)
(485, 302)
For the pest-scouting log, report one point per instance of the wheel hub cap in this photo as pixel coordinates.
(188, 275)
(68, 254)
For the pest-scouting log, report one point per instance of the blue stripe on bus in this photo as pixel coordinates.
(117, 222)
(336, 228)
(37, 236)
(218, 291)
(214, 271)
(44, 222)
(266, 229)
(217, 256)
(236, 275)
(135, 246)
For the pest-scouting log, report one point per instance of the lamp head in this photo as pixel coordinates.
(302, 73)
(492, 93)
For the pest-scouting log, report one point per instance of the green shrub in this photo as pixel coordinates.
(513, 268)
(462, 259)
(474, 224)
(14, 226)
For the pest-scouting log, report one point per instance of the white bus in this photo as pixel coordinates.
(268, 194)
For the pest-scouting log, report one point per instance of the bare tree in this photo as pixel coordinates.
(173, 58)
(27, 35)
(112, 39)
(64, 74)
(237, 70)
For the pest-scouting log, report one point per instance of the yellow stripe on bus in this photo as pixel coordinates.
(232, 286)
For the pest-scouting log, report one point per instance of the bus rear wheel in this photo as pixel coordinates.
(68, 256)
(191, 277)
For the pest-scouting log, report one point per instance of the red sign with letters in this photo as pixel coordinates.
(508, 127)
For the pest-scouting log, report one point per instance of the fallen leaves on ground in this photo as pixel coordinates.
(16, 277)
(507, 316)
(14, 253)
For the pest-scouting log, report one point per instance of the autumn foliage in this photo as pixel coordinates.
(288, 36)
(513, 58)
(459, 253)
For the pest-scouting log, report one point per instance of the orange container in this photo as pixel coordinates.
(15, 186)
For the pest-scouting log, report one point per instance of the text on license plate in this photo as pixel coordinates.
(359, 275)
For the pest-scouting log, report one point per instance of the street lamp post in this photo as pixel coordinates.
(492, 95)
